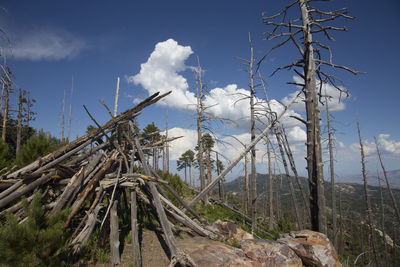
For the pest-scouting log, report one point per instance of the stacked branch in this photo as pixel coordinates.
(92, 182)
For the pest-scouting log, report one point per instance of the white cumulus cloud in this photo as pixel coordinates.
(161, 74)
(179, 146)
(386, 145)
(46, 44)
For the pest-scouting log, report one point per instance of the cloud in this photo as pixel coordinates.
(335, 100)
(386, 146)
(179, 146)
(160, 74)
(46, 44)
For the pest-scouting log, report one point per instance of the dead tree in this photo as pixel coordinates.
(116, 99)
(19, 122)
(200, 118)
(385, 252)
(289, 154)
(300, 32)
(270, 187)
(63, 118)
(332, 173)
(70, 110)
(367, 199)
(387, 182)
(292, 193)
(7, 87)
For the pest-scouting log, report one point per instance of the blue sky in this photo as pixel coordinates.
(98, 41)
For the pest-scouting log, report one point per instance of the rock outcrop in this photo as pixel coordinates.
(230, 232)
(312, 247)
(290, 250)
(270, 253)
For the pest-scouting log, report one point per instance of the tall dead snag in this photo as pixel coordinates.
(200, 112)
(289, 154)
(70, 110)
(63, 118)
(292, 193)
(367, 199)
(116, 99)
(253, 191)
(383, 219)
(332, 173)
(253, 136)
(300, 33)
(387, 182)
(19, 122)
(270, 187)
(242, 154)
(7, 88)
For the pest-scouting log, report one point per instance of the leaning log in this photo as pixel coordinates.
(114, 235)
(134, 230)
(65, 149)
(18, 193)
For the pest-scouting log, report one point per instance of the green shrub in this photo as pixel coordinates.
(37, 146)
(4, 157)
(36, 242)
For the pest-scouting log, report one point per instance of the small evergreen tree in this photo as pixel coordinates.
(36, 242)
(4, 157)
(37, 146)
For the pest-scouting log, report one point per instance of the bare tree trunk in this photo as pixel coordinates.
(294, 170)
(209, 168)
(166, 145)
(63, 118)
(5, 111)
(253, 149)
(292, 193)
(314, 152)
(271, 191)
(388, 183)
(383, 220)
(70, 110)
(367, 199)
(19, 126)
(116, 99)
(341, 243)
(246, 184)
(200, 110)
(332, 172)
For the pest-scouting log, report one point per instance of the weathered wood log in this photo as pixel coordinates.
(18, 193)
(75, 182)
(88, 153)
(17, 206)
(65, 149)
(91, 185)
(11, 189)
(91, 219)
(187, 221)
(134, 230)
(114, 235)
(112, 194)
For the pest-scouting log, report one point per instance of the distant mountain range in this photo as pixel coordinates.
(394, 179)
(352, 194)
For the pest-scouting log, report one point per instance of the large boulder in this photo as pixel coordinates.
(230, 232)
(312, 247)
(209, 253)
(270, 253)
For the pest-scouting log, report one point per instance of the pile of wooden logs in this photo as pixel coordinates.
(100, 168)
